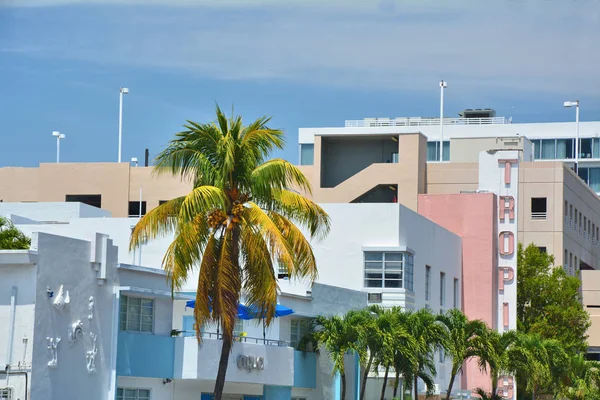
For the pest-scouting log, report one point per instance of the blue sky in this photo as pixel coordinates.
(307, 63)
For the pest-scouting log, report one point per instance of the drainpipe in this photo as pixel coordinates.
(11, 329)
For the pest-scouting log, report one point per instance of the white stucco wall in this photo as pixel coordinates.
(65, 261)
(52, 211)
(21, 277)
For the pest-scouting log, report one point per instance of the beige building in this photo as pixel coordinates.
(590, 288)
(112, 186)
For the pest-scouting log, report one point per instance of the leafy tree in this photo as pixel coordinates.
(483, 395)
(11, 238)
(338, 335)
(239, 217)
(465, 339)
(548, 301)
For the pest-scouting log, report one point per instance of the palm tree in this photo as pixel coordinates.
(339, 335)
(370, 341)
(483, 395)
(406, 348)
(237, 219)
(583, 379)
(429, 335)
(11, 238)
(465, 340)
(496, 356)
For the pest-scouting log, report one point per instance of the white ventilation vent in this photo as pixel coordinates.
(375, 298)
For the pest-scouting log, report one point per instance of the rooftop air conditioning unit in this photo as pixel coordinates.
(374, 298)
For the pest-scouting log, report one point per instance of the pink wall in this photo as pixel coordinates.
(473, 217)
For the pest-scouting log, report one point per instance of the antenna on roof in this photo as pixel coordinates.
(146, 156)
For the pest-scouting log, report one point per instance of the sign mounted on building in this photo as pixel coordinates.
(250, 363)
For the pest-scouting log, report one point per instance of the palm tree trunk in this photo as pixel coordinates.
(396, 384)
(343, 377)
(416, 388)
(223, 362)
(494, 382)
(387, 370)
(450, 385)
(363, 384)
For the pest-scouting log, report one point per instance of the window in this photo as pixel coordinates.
(94, 200)
(566, 210)
(433, 151)
(136, 314)
(566, 261)
(575, 266)
(5, 393)
(161, 202)
(553, 149)
(388, 270)
(585, 225)
(564, 148)
(307, 154)
(134, 209)
(238, 328)
(571, 263)
(298, 328)
(539, 208)
(427, 282)
(585, 148)
(442, 289)
(456, 293)
(570, 213)
(133, 394)
(282, 271)
(542, 249)
(442, 356)
(298, 398)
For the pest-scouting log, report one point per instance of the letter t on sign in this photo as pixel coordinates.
(507, 165)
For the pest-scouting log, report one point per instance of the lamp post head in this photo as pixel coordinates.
(134, 160)
(124, 90)
(572, 103)
(443, 84)
(62, 136)
(56, 133)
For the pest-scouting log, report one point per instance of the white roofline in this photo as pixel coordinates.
(20, 257)
(139, 268)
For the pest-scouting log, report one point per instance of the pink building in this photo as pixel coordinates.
(473, 217)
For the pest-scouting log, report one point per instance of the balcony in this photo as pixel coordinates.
(251, 361)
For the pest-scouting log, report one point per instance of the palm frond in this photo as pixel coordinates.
(200, 201)
(278, 174)
(158, 222)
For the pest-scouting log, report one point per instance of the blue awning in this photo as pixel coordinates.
(249, 312)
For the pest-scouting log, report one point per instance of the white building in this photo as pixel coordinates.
(384, 252)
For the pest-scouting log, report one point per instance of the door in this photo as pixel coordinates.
(189, 330)
(206, 396)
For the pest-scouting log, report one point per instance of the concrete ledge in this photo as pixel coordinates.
(18, 257)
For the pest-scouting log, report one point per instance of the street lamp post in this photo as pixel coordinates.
(122, 91)
(58, 137)
(575, 104)
(443, 85)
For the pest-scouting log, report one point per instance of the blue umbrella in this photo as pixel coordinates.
(252, 312)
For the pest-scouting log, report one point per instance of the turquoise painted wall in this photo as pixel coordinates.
(277, 393)
(305, 369)
(144, 355)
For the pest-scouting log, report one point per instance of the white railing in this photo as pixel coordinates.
(244, 339)
(418, 121)
(538, 215)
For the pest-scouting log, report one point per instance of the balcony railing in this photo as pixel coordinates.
(417, 121)
(537, 216)
(242, 339)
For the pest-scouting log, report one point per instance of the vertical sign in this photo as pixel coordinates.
(499, 173)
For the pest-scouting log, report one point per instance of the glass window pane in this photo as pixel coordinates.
(374, 265)
(307, 154)
(123, 324)
(129, 392)
(537, 145)
(371, 275)
(147, 303)
(393, 256)
(147, 311)
(596, 148)
(433, 153)
(583, 174)
(585, 149)
(372, 283)
(594, 179)
(393, 265)
(548, 149)
(564, 148)
(446, 151)
(393, 284)
(146, 328)
(146, 319)
(373, 256)
(393, 276)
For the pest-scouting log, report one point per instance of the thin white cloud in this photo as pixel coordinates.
(533, 45)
